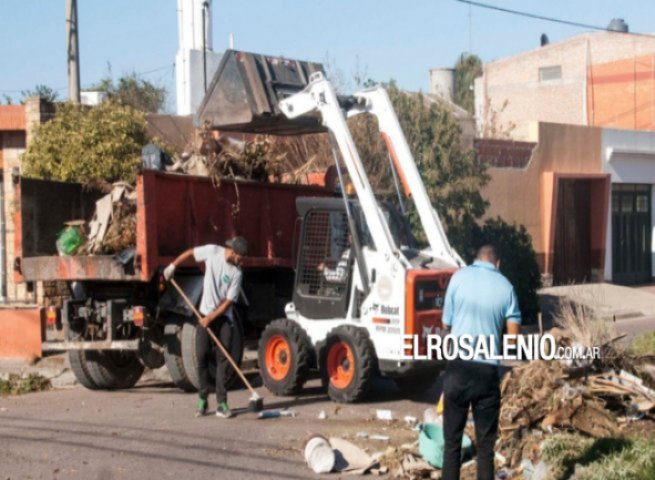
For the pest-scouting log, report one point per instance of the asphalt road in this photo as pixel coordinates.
(150, 432)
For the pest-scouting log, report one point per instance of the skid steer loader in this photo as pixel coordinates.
(361, 284)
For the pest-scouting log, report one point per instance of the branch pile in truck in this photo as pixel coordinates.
(113, 226)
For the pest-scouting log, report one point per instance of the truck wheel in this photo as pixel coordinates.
(173, 357)
(284, 354)
(114, 369)
(80, 369)
(190, 355)
(348, 364)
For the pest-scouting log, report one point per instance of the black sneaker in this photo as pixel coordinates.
(201, 410)
(223, 411)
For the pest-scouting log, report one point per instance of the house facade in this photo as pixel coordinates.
(585, 194)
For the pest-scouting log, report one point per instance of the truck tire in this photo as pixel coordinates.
(114, 369)
(173, 356)
(80, 369)
(190, 355)
(348, 364)
(284, 356)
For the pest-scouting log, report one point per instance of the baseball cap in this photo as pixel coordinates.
(239, 245)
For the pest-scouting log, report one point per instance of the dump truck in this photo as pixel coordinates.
(120, 317)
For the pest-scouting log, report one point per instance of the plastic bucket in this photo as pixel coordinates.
(431, 444)
(319, 455)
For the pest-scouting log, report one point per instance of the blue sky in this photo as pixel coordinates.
(386, 38)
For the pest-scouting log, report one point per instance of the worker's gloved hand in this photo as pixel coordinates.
(169, 272)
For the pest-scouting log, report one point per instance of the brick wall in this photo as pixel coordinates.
(503, 153)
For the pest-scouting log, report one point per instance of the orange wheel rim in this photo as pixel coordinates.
(278, 357)
(340, 365)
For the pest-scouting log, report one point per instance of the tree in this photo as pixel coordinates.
(43, 92)
(452, 176)
(517, 258)
(133, 91)
(88, 145)
(467, 69)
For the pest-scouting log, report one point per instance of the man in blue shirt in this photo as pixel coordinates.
(480, 302)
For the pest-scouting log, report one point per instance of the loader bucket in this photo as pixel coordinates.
(245, 92)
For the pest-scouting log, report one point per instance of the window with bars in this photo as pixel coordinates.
(325, 257)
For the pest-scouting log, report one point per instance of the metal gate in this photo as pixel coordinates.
(572, 262)
(631, 233)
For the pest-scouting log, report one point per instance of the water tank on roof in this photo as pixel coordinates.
(544, 40)
(618, 25)
(442, 83)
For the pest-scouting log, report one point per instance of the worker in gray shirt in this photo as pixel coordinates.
(221, 287)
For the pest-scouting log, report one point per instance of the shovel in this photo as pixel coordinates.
(256, 403)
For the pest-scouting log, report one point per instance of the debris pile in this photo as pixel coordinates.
(405, 462)
(541, 398)
(111, 230)
(263, 158)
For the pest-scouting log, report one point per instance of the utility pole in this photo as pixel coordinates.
(73, 51)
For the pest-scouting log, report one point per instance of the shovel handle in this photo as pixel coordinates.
(216, 340)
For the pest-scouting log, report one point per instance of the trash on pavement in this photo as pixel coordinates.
(319, 455)
(384, 415)
(277, 413)
(349, 457)
(410, 420)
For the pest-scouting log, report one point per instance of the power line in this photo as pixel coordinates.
(545, 18)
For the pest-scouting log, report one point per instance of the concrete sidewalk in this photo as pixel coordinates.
(613, 302)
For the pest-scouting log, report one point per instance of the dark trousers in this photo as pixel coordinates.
(205, 347)
(477, 385)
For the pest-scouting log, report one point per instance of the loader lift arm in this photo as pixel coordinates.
(376, 101)
(320, 95)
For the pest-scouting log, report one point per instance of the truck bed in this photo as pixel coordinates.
(174, 212)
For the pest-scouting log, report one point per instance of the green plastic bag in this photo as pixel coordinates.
(69, 240)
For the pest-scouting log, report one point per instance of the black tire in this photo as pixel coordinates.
(80, 369)
(285, 344)
(114, 369)
(173, 356)
(414, 385)
(190, 355)
(357, 342)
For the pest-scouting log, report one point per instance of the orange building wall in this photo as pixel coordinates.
(20, 333)
(621, 94)
(526, 195)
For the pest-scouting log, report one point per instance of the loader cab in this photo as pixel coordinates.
(325, 264)
(325, 259)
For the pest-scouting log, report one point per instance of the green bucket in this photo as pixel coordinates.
(431, 444)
